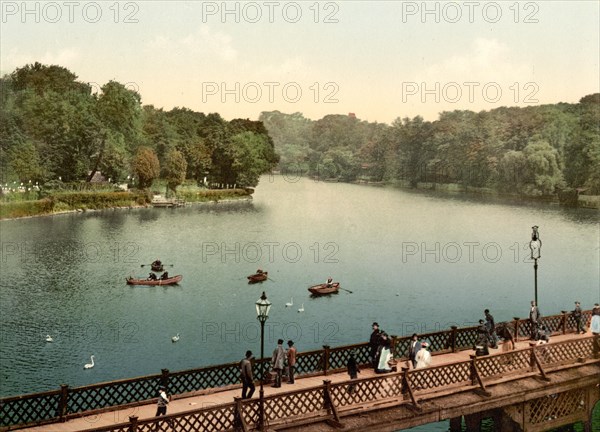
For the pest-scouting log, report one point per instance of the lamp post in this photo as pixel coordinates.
(262, 311)
(536, 249)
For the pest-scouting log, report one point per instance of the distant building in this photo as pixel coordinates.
(97, 178)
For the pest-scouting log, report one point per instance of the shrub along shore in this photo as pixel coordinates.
(62, 202)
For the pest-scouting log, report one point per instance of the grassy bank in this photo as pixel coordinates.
(207, 195)
(59, 202)
(71, 201)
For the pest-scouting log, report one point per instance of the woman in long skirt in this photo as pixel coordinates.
(596, 319)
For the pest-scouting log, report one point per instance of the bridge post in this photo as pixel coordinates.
(393, 341)
(456, 424)
(238, 422)
(596, 346)
(133, 423)
(62, 403)
(473, 422)
(454, 334)
(325, 358)
(516, 326)
(329, 405)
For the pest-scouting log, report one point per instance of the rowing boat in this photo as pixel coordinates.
(322, 289)
(169, 281)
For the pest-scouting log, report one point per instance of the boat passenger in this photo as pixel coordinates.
(165, 275)
(329, 282)
(151, 276)
(259, 271)
(157, 263)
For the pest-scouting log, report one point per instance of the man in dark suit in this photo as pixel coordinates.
(534, 316)
(374, 344)
(413, 348)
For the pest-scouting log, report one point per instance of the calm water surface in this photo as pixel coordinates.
(414, 261)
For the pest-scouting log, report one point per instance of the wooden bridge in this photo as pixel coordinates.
(532, 388)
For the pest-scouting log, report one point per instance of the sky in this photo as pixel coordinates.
(379, 60)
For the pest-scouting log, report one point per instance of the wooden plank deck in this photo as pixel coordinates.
(189, 402)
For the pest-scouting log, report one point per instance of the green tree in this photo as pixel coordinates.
(174, 170)
(146, 167)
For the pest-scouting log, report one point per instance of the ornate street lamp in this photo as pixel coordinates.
(262, 311)
(536, 249)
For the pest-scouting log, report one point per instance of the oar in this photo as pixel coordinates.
(164, 265)
(345, 289)
(271, 279)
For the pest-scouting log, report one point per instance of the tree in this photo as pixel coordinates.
(174, 169)
(145, 167)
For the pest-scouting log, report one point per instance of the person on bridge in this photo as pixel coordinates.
(162, 402)
(277, 362)
(534, 317)
(595, 326)
(246, 376)
(384, 355)
(353, 370)
(577, 317)
(423, 356)
(413, 349)
(291, 360)
(491, 328)
(374, 342)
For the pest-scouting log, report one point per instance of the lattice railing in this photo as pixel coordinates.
(357, 392)
(505, 363)
(299, 403)
(198, 379)
(49, 406)
(111, 394)
(565, 351)
(440, 376)
(29, 409)
(310, 362)
(552, 407)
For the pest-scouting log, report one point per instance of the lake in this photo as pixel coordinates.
(415, 262)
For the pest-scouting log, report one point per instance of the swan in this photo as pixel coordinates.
(175, 338)
(90, 365)
(301, 308)
(291, 303)
(49, 338)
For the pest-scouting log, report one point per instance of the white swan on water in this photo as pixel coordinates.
(90, 365)
(49, 338)
(291, 303)
(301, 308)
(175, 338)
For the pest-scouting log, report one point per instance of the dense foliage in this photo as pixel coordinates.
(533, 151)
(53, 127)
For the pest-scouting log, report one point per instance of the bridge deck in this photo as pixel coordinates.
(217, 396)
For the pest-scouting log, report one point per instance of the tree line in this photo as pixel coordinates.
(52, 126)
(532, 151)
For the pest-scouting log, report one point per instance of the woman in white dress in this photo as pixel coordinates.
(423, 356)
(596, 319)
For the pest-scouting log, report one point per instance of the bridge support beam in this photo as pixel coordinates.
(473, 422)
(456, 424)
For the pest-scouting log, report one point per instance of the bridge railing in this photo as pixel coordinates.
(330, 400)
(67, 402)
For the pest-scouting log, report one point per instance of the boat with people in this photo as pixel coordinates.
(324, 288)
(166, 281)
(259, 276)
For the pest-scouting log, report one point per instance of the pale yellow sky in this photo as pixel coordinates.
(380, 60)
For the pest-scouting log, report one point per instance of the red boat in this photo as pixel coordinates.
(169, 281)
(323, 289)
(258, 277)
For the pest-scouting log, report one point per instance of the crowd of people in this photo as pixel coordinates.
(382, 358)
